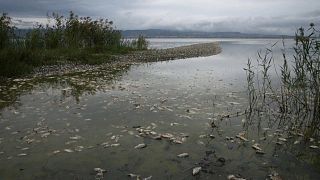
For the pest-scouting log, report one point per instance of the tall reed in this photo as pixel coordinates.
(294, 104)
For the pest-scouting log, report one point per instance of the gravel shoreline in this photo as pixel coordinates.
(154, 55)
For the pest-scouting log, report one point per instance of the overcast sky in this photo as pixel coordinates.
(248, 16)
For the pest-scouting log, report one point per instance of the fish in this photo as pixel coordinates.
(68, 150)
(140, 146)
(183, 155)
(256, 147)
(196, 170)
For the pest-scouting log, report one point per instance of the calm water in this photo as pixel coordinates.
(64, 127)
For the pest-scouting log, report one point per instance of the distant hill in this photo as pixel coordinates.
(159, 33)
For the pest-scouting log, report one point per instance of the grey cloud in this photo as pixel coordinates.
(263, 16)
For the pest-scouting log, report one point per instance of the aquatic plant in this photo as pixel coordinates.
(294, 104)
(62, 39)
(6, 31)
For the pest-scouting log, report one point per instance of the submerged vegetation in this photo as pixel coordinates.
(293, 104)
(75, 39)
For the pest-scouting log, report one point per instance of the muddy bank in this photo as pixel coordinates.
(153, 55)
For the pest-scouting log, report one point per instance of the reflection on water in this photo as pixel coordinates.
(63, 127)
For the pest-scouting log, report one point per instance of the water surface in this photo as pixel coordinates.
(64, 127)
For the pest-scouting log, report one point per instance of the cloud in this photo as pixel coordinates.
(263, 16)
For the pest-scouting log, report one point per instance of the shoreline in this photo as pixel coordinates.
(152, 55)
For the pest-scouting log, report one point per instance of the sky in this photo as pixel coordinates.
(246, 16)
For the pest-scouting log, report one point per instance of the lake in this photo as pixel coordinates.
(62, 127)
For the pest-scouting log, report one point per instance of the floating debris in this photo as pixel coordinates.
(140, 146)
(183, 155)
(296, 142)
(196, 170)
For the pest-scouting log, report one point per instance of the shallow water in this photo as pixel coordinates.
(84, 112)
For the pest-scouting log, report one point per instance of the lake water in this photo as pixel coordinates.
(62, 127)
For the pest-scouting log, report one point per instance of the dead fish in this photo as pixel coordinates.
(183, 155)
(282, 139)
(212, 136)
(174, 124)
(177, 141)
(22, 154)
(45, 135)
(260, 152)
(148, 178)
(68, 150)
(114, 145)
(279, 143)
(233, 177)
(29, 141)
(157, 137)
(56, 151)
(314, 147)
(99, 170)
(75, 137)
(70, 142)
(241, 137)
(133, 175)
(256, 147)
(196, 170)
(203, 136)
(79, 148)
(167, 135)
(140, 146)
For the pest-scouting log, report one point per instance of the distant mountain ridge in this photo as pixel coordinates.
(160, 33)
